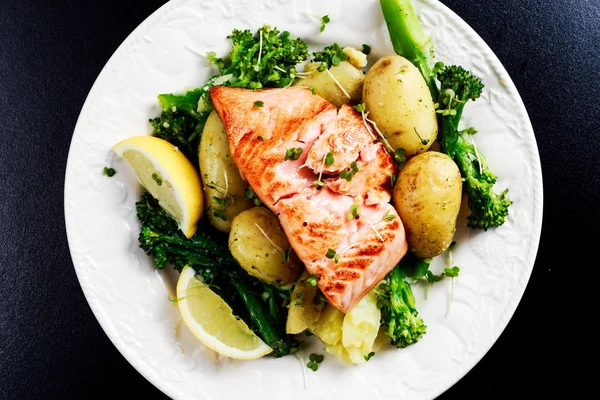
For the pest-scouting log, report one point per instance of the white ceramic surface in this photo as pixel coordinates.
(129, 296)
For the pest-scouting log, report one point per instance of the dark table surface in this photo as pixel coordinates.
(51, 346)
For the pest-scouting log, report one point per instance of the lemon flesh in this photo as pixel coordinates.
(168, 176)
(212, 321)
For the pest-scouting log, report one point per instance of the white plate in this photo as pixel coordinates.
(129, 297)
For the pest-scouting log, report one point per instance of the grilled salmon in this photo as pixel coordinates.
(325, 176)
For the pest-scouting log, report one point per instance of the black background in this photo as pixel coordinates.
(51, 346)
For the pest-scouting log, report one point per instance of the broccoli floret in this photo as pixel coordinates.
(488, 209)
(456, 87)
(398, 312)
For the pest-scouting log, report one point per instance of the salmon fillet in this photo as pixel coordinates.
(311, 200)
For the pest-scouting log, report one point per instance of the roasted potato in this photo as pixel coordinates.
(348, 76)
(399, 102)
(224, 189)
(427, 196)
(258, 243)
(303, 310)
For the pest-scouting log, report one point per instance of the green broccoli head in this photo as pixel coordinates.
(265, 59)
(488, 209)
(465, 85)
(398, 311)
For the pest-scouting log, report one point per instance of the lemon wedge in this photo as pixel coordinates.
(212, 321)
(168, 176)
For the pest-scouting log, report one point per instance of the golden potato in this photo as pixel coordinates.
(348, 76)
(303, 311)
(224, 189)
(427, 196)
(399, 102)
(258, 243)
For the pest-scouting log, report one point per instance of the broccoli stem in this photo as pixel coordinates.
(260, 317)
(408, 38)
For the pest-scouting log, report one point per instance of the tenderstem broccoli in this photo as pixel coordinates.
(398, 311)
(451, 87)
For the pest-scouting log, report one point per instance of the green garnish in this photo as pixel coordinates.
(329, 56)
(388, 216)
(329, 158)
(452, 272)
(366, 49)
(423, 141)
(332, 255)
(360, 107)
(259, 103)
(392, 179)
(252, 196)
(292, 153)
(354, 212)
(324, 21)
(313, 90)
(348, 175)
(315, 360)
(368, 356)
(109, 171)
(219, 214)
(312, 281)
(157, 179)
(399, 156)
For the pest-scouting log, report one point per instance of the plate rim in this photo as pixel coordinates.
(143, 368)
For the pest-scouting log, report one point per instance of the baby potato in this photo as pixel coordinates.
(224, 189)
(348, 76)
(303, 311)
(259, 244)
(427, 196)
(399, 102)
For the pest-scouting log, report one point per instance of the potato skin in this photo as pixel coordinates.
(349, 77)
(398, 100)
(303, 312)
(427, 196)
(215, 161)
(256, 254)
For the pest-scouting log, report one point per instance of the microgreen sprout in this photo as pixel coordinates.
(348, 175)
(252, 196)
(388, 216)
(354, 212)
(315, 360)
(312, 280)
(431, 279)
(319, 182)
(452, 273)
(329, 160)
(332, 255)
(338, 84)
(423, 141)
(109, 171)
(259, 103)
(293, 153)
(368, 356)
